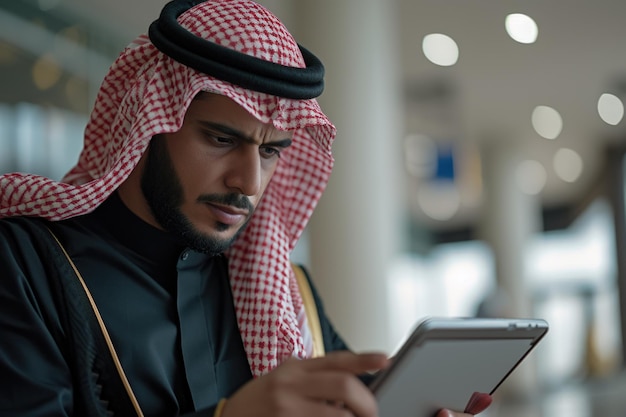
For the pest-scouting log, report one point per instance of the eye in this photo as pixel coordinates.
(216, 139)
(270, 151)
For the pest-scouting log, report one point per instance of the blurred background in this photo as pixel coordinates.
(479, 165)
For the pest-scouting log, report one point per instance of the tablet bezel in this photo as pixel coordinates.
(464, 329)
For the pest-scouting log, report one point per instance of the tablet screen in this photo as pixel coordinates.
(452, 370)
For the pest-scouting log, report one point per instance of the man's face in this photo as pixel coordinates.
(204, 181)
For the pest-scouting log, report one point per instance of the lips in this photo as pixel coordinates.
(227, 214)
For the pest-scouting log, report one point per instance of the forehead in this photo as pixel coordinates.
(220, 109)
(216, 106)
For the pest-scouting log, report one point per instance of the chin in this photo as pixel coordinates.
(218, 233)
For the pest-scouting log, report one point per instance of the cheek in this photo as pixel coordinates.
(267, 175)
(197, 172)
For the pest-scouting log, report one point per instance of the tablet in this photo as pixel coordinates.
(446, 360)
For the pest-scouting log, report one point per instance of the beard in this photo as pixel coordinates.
(164, 193)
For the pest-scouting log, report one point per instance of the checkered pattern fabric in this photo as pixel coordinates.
(146, 93)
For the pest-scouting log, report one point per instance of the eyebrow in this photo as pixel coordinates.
(227, 130)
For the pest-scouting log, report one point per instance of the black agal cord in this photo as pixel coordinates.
(230, 65)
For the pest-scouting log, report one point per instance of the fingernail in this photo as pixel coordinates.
(478, 403)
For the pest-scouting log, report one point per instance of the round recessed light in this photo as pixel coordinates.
(568, 164)
(521, 28)
(547, 122)
(440, 49)
(610, 109)
(439, 200)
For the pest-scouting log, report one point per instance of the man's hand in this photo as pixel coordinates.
(319, 387)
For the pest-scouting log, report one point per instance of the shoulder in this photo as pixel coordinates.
(18, 229)
(331, 339)
(29, 272)
(24, 246)
(21, 223)
(20, 233)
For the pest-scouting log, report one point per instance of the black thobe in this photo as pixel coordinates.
(168, 309)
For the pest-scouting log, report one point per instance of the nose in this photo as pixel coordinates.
(244, 173)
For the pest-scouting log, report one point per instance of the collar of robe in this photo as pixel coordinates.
(230, 65)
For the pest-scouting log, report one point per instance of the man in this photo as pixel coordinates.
(155, 278)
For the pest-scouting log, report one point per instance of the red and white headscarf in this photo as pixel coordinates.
(145, 93)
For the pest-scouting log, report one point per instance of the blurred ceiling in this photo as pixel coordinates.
(488, 97)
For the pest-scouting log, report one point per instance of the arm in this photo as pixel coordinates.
(325, 386)
(49, 352)
(334, 342)
(319, 387)
(34, 376)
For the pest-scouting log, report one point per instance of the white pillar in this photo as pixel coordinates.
(510, 219)
(356, 229)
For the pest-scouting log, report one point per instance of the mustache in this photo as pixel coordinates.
(235, 200)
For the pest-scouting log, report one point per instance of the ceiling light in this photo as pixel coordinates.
(531, 177)
(46, 72)
(439, 200)
(568, 164)
(521, 28)
(440, 49)
(547, 122)
(610, 108)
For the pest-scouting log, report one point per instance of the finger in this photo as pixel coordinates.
(339, 387)
(356, 363)
(279, 403)
(326, 409)
(478, 403)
